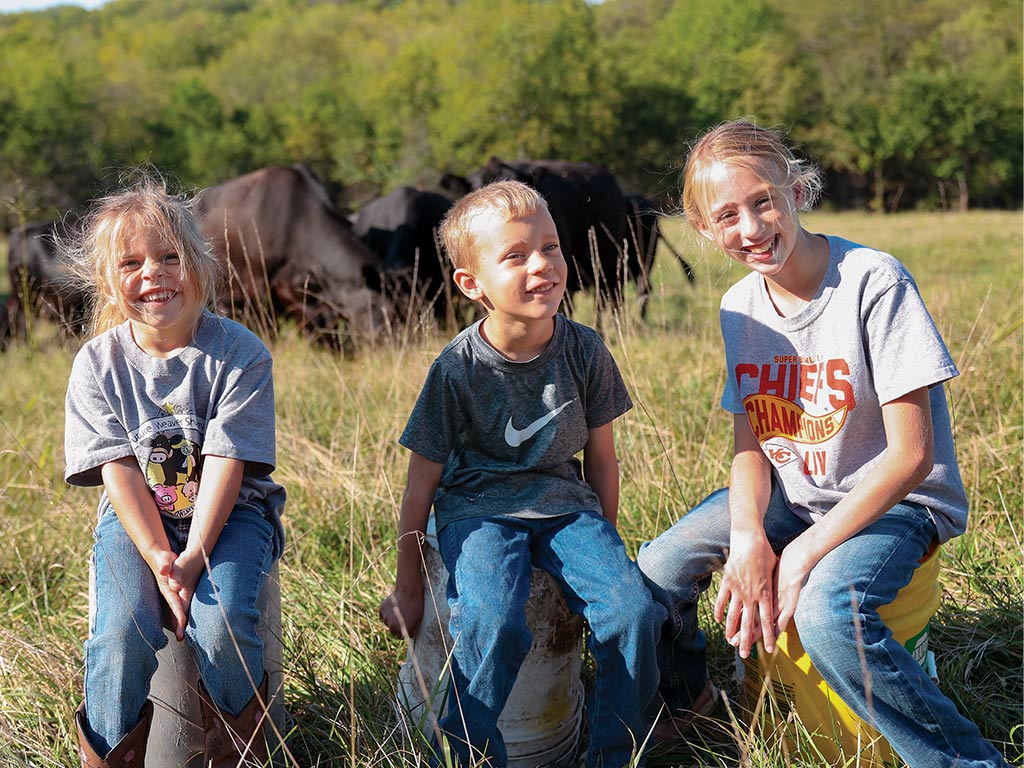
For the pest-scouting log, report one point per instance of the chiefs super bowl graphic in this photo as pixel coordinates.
(795, 405)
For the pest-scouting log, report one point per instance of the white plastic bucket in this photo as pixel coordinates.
(176, 733)
(542, 718)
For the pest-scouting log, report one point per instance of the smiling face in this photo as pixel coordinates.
(160, 301)
(520, 272)
(752, 220)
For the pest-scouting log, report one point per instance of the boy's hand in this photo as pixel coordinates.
(402, 611)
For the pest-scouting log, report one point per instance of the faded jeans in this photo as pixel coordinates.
(489, 561)
(838, 604)
(127, 628)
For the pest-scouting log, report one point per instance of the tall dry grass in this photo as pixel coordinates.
(338, 421)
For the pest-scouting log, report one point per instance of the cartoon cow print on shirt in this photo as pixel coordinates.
(172, 472)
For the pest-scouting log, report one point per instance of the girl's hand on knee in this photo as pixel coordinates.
(746, 598)
(791, 576)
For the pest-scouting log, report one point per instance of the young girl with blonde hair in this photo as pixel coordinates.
(844, 474)
(170, 408)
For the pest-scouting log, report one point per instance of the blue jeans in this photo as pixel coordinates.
(489, 561)
(127, 628)
(922, 725)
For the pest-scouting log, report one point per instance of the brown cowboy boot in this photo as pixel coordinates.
(230, 739)
(130, 751)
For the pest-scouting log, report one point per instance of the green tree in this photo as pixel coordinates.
(904, 102)
(739, 62)
(49, 132)
(914, 93)
(208, 144)
(965, 93)
(520, 79)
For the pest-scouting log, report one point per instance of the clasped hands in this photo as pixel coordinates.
(177, 576)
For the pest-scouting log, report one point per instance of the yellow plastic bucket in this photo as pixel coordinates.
(794, 706)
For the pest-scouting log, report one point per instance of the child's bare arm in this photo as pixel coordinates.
(133, 503)
(218, 493)
(601, 469)
(905, 463)
(402, 610)
(746, 595)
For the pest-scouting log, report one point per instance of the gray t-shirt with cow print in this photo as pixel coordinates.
(508, 433)
(216, 396)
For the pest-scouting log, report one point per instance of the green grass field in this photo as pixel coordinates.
(338, 423)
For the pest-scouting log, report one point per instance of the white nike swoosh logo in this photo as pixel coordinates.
(516, 437)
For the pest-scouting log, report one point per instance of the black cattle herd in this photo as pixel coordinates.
(290, 253)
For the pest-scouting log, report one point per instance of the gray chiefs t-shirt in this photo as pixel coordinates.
(813, 385)
(508, 432)
(216, 397)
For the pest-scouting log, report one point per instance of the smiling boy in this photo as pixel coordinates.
(494, 435)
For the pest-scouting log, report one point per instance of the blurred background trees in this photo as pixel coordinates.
(905, 103)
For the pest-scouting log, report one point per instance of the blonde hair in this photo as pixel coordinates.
(106, 232)
(760, 150)
(462, 224)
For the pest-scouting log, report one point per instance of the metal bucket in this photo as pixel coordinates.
(542, 718)
(799, 706)
(176, 733)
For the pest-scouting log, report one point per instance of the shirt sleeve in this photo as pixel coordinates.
(735, 326)
(436, 419)
(93, 434)
(607, 397)
(242, 425)
(903, 346)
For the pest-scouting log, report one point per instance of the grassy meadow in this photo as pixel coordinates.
(338, 423)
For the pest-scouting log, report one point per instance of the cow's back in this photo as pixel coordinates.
(282, 239)
(586, 202)
(401, 229)
(281, 218)
(32, 254)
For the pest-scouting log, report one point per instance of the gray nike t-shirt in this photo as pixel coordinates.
(507, 432)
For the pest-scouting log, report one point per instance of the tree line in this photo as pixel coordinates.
(904, 103)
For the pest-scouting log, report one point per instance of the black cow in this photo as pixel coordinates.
(288, 249)
(589, 211)
(401, 229)
(41, 284)
(5, 326)
(644, 219)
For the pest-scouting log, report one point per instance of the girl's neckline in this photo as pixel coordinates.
(790, 301)
(809, 310)
(160, 354)
(142, 360)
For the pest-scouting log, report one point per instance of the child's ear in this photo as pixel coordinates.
(700, 224)
(466, 282)
(799, 195)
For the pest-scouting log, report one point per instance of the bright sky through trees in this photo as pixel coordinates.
(13, 6)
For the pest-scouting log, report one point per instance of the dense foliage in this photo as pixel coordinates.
(906, 103)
